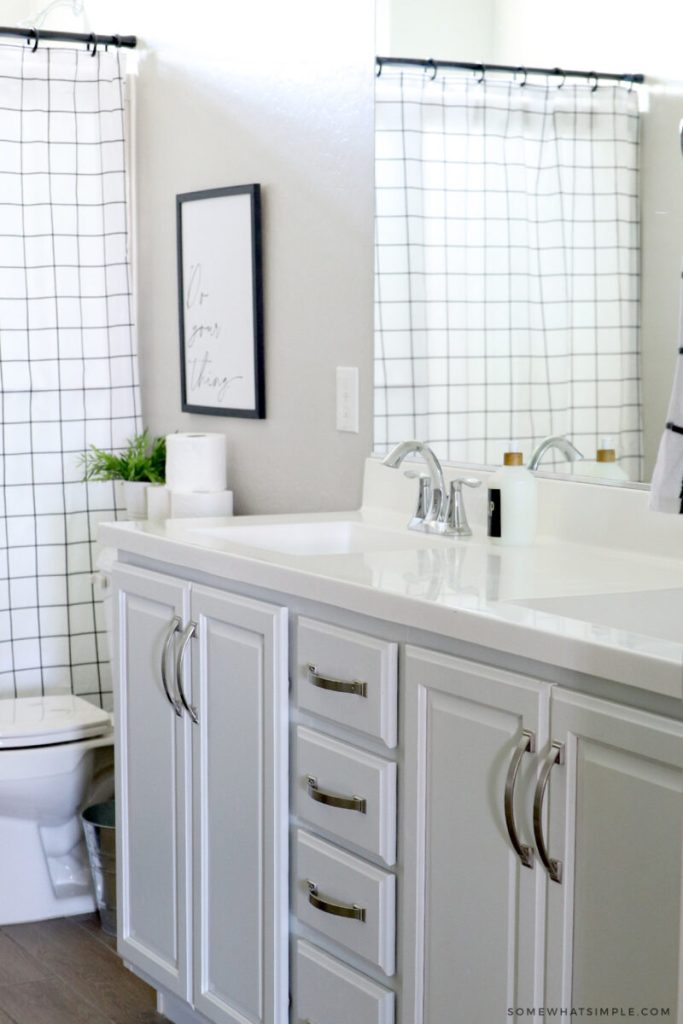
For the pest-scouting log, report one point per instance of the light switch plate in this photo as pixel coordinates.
(347, 399)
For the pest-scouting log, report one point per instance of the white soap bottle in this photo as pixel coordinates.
(605, 465)
(513, 502)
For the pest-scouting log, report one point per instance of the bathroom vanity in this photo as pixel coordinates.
(371, 776)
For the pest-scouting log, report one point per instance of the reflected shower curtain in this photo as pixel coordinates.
(68, 362)
(507, 265)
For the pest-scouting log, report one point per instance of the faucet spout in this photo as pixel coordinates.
(398, 454)
(558, 441)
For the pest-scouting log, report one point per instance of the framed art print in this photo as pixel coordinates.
(220, 301)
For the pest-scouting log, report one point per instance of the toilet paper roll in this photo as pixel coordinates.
(196, 462)
(158, 502)
(200, 503)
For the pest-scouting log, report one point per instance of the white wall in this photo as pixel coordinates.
(609, 35)
(440, 28)
(282, 94)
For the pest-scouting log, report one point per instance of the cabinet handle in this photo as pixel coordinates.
(189, 631)
(338, 685)
(526, 743)
(347, 803)
(552, 866)
(331, 907)
(173, 628)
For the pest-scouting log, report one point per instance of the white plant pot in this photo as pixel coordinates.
(135, 495)
(158, 502)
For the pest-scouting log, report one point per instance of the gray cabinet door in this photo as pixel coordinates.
(152, 780)
(614, 818)
(472, 947)
(240, 819)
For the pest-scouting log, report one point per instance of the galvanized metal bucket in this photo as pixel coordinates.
(99, 826)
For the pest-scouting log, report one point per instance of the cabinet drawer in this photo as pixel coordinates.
(348, 677)
(347, 899)
(329, 774)
(327, 990)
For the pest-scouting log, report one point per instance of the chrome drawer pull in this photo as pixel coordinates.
(338, 685)
(347, 803)
(552, 866)
(189, 631)
(330, 907)
(526, 743)
(173, 628)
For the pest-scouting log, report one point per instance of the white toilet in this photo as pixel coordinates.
(56, 757)
(47, 769)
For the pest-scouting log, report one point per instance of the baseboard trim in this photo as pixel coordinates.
(176, 1010)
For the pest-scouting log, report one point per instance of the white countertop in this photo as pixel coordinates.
(525, 601)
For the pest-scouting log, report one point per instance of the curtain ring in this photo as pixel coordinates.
(92, 39)
(482, 75)
(431, 63)
(36, 36)
(523, 82)
(629, 78)
(593, 75)
(378, 73)
(559, 71)
(117, 42)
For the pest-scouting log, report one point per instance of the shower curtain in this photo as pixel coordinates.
(68, 361)
(507, 264)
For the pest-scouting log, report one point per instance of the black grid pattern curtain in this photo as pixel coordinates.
(68, 361)
(507, 265)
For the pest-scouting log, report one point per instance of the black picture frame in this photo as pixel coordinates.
(206, 371)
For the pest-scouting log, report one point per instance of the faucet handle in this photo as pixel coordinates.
(469, 481)
(456, 517)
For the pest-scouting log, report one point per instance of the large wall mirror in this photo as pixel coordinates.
(529, 229)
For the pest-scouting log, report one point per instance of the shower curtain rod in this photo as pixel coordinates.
(35, 36)
(483, 69)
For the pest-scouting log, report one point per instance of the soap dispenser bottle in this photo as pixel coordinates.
(606, 465)
(513, 502)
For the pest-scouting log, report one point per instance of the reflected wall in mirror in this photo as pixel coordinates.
(529, 230)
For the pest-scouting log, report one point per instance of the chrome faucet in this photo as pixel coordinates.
(429, 505)
(434, 513)
(558, 441)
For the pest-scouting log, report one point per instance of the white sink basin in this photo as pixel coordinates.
(655, 613)
(327, 538)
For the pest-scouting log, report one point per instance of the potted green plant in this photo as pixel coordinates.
(140, 464)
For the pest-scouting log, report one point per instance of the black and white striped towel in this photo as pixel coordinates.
(666, 491)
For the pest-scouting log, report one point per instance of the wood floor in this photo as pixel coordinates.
(67, 972)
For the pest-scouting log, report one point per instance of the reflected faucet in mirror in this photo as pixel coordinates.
(562, 444)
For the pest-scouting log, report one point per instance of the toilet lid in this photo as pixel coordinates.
(39, 721)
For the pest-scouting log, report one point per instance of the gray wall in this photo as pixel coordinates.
(281, 94)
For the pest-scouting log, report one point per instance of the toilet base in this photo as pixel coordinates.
(43, 875)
